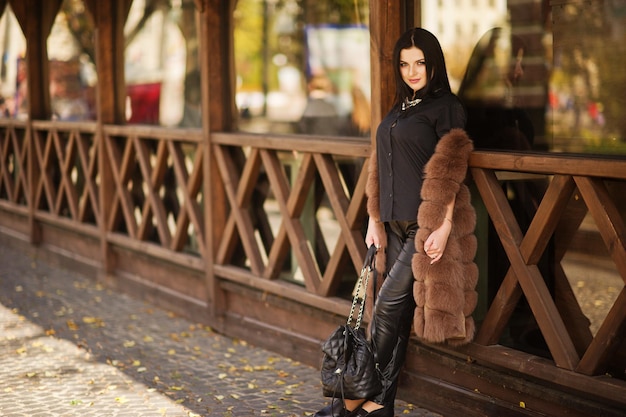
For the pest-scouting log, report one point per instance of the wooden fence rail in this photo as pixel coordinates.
(294, 225)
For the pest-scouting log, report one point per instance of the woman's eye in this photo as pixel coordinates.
(421, 62)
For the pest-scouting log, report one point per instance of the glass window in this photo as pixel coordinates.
(536, 77)
(303, 66)
(13, 98)
(161, 64)
(71, 52)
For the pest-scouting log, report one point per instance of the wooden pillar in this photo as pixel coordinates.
(387, 21)
(218, 110)
(109, 17)
(36, 18)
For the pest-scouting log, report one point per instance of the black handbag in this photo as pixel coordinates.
(349, 365)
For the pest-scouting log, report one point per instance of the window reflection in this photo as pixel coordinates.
(303, 67)
(587, 82)
(73, 75)
(12, 67)
(161, 63)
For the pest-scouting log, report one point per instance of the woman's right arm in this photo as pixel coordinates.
(373, 237)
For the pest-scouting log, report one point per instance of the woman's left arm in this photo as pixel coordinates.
(436, 243)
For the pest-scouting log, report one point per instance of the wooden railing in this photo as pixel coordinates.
(283, 194)
(14, 163)
(571, 347)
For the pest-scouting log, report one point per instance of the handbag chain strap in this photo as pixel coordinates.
(365, 275)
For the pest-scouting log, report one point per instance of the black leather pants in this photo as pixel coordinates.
(395, 305)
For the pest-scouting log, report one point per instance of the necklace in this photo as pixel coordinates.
(410, 103)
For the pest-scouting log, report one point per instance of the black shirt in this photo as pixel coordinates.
(405, 141)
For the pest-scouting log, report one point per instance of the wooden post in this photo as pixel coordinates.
(36, 30)
(110, 100)
(386, 26)
(218, 110)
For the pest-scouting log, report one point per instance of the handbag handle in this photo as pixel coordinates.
(365, 274)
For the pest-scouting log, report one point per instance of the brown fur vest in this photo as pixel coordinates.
(445, 291)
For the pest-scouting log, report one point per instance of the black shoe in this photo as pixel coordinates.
(381, 412)
(336, 409)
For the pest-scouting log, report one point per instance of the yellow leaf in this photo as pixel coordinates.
(176, 388)
(136, 362)
(94, 321)
(222, 375)
(219, 397)
(50, 332)
(235, 396)
(121, 400)
(148, 339)
(129, 343)
(522, 404)
(171, 352)
(71, 325)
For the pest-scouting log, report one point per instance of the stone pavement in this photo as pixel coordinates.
(69, 347)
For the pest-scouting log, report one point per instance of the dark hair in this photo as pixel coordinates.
(435, 65)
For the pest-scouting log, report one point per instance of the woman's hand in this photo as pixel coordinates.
(373, 237)
(435, 245)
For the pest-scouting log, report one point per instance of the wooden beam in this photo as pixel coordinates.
(37, 63)
(217, 75)
(19, 10)
(111, 92)
(385, 29)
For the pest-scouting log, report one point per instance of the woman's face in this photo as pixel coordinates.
(413, 68)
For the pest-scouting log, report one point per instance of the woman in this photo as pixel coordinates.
(425, 112)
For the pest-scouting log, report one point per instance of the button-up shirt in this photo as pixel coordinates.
(405, 141)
